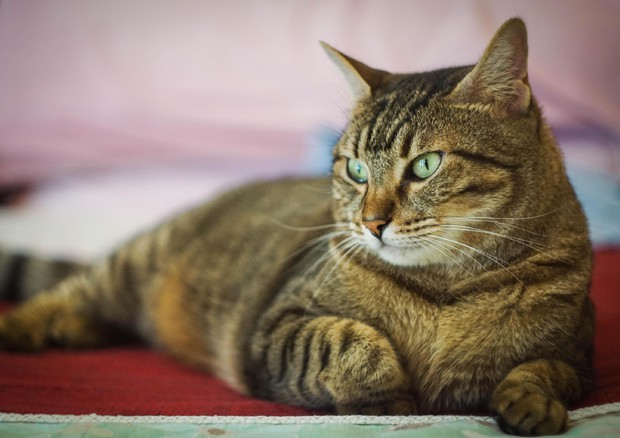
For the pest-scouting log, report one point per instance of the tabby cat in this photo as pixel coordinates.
(444, 267)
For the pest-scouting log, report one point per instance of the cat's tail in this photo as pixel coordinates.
(24, 275)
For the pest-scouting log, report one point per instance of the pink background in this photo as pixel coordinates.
(91, 84)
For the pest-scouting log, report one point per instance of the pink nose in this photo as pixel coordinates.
(375, 226)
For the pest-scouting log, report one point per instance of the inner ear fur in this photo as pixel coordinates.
(499, 80)
(362, 79)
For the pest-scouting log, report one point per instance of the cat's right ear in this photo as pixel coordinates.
(499, 80)
(363, 80)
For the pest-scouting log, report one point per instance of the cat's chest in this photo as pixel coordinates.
(406, 316)
(430, 336)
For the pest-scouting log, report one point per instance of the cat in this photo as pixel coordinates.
(444, 266)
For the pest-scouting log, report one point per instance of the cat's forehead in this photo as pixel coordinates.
(391, 120)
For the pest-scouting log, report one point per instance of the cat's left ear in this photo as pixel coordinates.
(499, 79)
(362, 79)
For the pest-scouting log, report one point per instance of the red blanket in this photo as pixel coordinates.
(137, 381)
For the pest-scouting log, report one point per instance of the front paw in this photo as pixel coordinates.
(365, 376)
(523, 411)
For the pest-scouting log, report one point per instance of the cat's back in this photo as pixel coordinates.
(244, 239)
(260, 212)
(227, 260)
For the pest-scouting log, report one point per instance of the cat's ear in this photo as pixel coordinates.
(362, 79)
(499, 79)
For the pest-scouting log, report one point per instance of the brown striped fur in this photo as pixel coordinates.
(466, 289)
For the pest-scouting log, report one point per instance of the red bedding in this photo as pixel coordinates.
(134, 380)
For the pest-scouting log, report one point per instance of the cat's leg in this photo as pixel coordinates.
(331, 362)
(85, 310)
(60, 316)
(532, 397)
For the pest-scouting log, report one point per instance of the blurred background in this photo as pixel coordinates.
(115, 114)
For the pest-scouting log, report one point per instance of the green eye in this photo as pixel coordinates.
(357, 171)
(426, 164)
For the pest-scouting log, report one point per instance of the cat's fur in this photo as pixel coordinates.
(462, 291)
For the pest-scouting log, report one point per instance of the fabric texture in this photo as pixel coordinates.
(134, 380)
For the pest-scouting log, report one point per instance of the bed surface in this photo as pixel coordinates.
(134, 380)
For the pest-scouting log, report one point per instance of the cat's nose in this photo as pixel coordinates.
(375, 226)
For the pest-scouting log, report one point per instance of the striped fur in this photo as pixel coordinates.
(470, 293)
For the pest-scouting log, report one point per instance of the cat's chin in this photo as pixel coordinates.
(405, 257)
(411, 255)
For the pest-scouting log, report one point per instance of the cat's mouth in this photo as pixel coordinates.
(400, 251)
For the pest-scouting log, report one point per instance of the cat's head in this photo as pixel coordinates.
(432, 165)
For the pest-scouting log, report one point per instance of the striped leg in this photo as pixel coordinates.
(84, 310)
(530, 400)
(59, 317)
(332, 362)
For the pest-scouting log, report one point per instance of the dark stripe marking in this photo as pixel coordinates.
(347, 340)
(553, 263)
(483, 160)
(326, 348)
(479, 189)
(305, 358)
(12, 285)
(407, 143)
(290, 313)
(152, 253)
(287, 350)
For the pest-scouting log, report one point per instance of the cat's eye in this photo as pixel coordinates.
(357, 171)
(426, 164)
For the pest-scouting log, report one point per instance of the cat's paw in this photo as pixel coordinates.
(77, 331)
(18, 335)
(521, 411)
(42, 321)
(364, 372)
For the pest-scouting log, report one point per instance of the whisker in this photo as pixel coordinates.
(347, 245)
(436, 246)
(503, 264)
(314, 228)
(344, 252)
(449, 246)
(315, 242)
(325, 256)
(512, 218)
(497, 222)
(538, 216)
(528, 243)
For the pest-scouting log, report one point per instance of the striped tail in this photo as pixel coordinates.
(24, 275)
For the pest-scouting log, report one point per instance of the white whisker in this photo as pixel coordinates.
(316, 241)
(341, 251)
(501, 225)
(510, 218)
(528, 243)
(449, 247)
(336, 225)
(436, 246)
(503, 264)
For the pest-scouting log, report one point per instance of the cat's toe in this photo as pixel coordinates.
(365, 371)
(527, 413)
